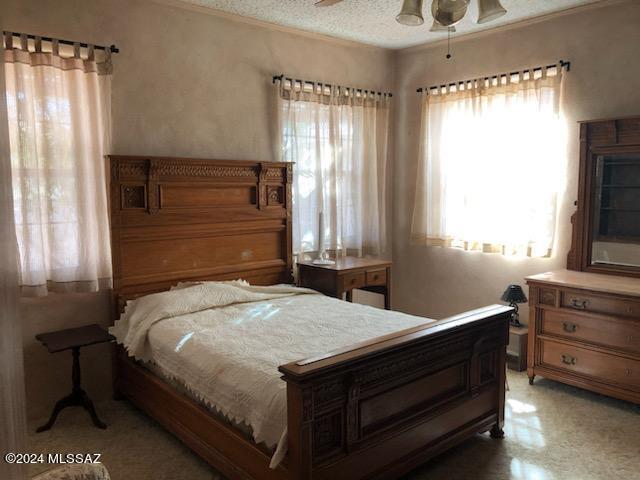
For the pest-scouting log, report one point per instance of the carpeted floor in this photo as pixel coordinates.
(553, 432)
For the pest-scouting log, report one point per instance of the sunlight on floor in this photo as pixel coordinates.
(520, 407)
(521, 470)
(522, 425)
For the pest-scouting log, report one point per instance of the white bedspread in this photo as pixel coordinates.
(224, 342)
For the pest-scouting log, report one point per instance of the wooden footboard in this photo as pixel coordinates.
(381, 408)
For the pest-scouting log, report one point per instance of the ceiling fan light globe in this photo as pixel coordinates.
(452, 5)
(411, 13)
(489, 10)
(448, 18)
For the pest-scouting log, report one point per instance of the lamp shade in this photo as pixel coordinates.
(452, 5)
(411, 13)
(514, 294)
(489, 10)
(449, 12)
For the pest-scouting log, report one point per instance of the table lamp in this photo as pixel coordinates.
(514, 295)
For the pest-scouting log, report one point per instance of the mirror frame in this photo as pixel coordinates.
(598, 137)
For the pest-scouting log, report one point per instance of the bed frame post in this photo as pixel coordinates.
(496, 430)
(299, 430)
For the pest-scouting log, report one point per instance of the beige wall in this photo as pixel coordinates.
(194, 84)
(185, 83)
(603, 45)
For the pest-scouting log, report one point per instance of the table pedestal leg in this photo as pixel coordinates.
(78, 397)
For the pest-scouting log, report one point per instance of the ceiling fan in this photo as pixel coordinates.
(446, 13)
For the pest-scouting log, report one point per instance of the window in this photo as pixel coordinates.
(338, 144)
(58, 113)
(491, 166)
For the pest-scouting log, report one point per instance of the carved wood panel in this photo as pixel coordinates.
(186, 219)
(401, 390)
(328, 436)
(133, 196)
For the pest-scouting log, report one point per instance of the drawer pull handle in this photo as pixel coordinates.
(578, 303)
(568, 360)
(569, 327)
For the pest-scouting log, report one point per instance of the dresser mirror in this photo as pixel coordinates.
(606, 225)
(615, 234)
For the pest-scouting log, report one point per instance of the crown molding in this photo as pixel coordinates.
(511, 26)
(268, 25)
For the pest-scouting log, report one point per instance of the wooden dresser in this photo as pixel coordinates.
(584, 330)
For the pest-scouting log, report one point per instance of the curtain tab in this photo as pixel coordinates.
(76, 50)
(559, 71)
(55, 47)
(108, 67)
(38, 44)
(91, 56)
(8, 40)
(279, 85)
(24, 42)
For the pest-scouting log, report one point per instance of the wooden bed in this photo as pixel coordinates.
(375, 410)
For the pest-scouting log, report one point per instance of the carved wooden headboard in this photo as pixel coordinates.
(178, 219)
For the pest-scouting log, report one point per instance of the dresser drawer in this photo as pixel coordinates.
(612, 333)
(601, 366)
(353, 280)
(377, 277)
(598, 304)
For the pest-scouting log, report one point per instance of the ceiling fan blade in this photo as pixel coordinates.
(326, 3)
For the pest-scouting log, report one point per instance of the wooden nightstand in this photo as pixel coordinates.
(348, 273)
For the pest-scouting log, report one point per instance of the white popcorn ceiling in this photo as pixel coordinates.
(373, 21)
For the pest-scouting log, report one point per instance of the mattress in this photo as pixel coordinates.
(227, 356)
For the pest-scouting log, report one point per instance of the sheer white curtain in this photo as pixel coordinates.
(59, 128)
(491, 165)
(337, 138)
(12, 400)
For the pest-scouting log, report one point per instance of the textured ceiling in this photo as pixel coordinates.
(373, 21)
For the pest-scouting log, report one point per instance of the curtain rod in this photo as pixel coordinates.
(111, 48)
(562, 64)
(282, 77)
